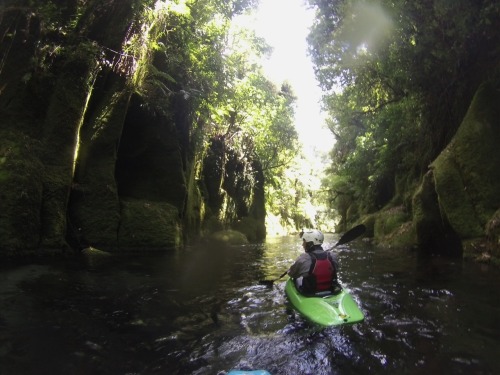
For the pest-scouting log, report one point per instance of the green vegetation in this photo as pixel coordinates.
(141, 122)
(398, 77)
(154, 120)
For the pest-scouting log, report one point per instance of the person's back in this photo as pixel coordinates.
(316, 269)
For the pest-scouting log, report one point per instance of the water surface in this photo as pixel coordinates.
(201, 310)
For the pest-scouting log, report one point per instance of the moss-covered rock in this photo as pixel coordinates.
(454, 200)
(426, 213)
(94, 216)
(454, 206)
(467, 173)
(60, 134)
(57, 183)
(233, 188)
(74, 106)
(493, 229)
(148, 226)
(94, 258)
(457, 199)
(254, 230)
(195, 205)
(229, 237)
(391, 227)
(486, 250)
(369, 222)
(21, 192)
(389, 220)
(403, 236)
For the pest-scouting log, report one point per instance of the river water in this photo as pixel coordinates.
(201, 310)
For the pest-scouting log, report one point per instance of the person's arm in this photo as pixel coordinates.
(292, 271)
(335, 260)
(300, 267)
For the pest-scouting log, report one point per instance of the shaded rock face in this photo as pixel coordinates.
(132, 187)
(213, 174)
(129, 187)
(234, 191)
(459, 197)
(149, 164)
(83, 161)
(433, 231)
(40, 113)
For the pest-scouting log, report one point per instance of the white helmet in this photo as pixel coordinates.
(314, 236)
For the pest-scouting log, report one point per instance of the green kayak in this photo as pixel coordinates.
(325, 311)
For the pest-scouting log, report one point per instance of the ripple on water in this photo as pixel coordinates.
(182, 314)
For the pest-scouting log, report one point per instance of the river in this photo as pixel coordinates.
(201, 310)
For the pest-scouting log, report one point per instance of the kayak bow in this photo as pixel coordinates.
(330, 310)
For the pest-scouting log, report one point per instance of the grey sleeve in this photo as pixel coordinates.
(335, 259)
(300, 267)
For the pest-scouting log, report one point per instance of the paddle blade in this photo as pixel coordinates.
(351, 234)
(267, 282)
(271, 282)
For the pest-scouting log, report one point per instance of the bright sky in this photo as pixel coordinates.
(285, 25)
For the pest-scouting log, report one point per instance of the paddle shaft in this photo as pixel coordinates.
(284, 273)
(350, 235)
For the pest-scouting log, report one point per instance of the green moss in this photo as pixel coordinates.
(467, 176)
(212, 224)
(147, 225)
(195, 206)
(229, 237)
(391, 227)
(453, 199)
(481, 250)
(251, 228)
(389, 220)
(426, 214)
(403, 236)
(95, 258)
(3, 175)
(475, 149)
(95, 215)
(353, 212)
(369, 222)
(493, 229)
(21, 190)
(57, 181)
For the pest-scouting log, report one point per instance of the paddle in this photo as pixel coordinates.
(271, 282)
(348, 236)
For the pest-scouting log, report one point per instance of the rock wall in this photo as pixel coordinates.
(455, 209)
(40, 114)
(84, 162)
(233, 186)
(467, 173)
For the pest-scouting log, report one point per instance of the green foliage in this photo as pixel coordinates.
(192, 52)
(190, 63)
(398, 77)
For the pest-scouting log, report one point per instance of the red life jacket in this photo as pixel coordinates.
(322, 273)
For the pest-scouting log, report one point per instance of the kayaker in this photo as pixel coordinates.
(316, 269)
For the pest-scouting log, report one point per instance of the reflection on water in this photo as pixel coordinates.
(202, 311)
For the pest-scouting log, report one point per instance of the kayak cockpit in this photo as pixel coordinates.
(325, 308)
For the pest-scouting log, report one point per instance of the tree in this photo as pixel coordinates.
(398, 77)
